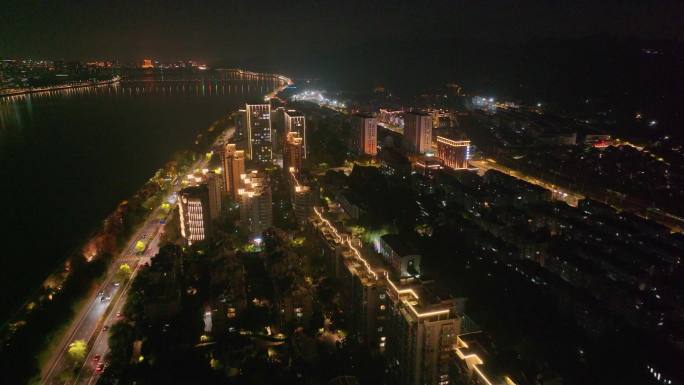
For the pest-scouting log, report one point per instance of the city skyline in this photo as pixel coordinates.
(322, 193)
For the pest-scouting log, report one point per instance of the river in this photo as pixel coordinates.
(68, 157)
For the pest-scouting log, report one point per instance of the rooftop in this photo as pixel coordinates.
(194, 190)
(293, 113)
(478, 349)
(400, 247)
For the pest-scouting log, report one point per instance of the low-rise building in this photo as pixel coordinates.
(427, 165)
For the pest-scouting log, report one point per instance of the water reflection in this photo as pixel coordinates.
(14, 109)
(81, 151)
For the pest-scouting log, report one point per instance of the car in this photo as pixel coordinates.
(100, 367)
(96, 358)
(100, 293)
(118, 315)
(116, 284)
(107, 298)
(102, 299)
(105, 328)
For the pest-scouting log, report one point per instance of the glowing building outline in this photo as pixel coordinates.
(446, 149)
(403, 292)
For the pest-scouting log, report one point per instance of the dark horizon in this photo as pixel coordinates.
(230, 31)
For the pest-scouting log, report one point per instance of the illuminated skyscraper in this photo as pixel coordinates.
(214, 183)
(293, 151)
(302, 202)
(303, 198)
(454, 153)
(256, 209)
(414, 323)
(233, 166)
(296, 122)
(194, 213)
(421, 336)
(364, 134)
(418, 132)
(258, 124)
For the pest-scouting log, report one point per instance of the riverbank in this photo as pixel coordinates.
(19, 92)
(102, 143)
(23, 336)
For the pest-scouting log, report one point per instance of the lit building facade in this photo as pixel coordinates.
(365, 299)
(303, 197)
(400, 317)
(421, 335)
(302, 202)
(293, 151)
(256, 208)
(418, 132)
(296, 122)
(364, 134)
(233, 166)
(147, 64)
(215, 185)
(454, 153)
(259, 135)
(393, 118)
(427, 165)
(194, 213)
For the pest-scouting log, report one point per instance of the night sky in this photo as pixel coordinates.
(220, 30)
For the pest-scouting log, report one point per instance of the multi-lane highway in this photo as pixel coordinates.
(104, 305)
(89, 373)
(89, 322)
